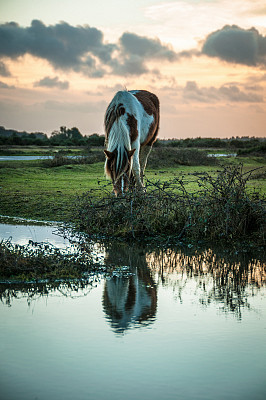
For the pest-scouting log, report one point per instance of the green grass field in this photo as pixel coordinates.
(30, 189)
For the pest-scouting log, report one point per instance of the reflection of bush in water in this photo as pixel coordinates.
(33, 291)
(37, 261)
(227, 280)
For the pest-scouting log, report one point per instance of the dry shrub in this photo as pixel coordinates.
(222, 208)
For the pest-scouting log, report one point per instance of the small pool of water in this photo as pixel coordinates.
(166, 324)
(22, 233)
(222, 155)
(45, 157)
(29, 158)
(23, 158)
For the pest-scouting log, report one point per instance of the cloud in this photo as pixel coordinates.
(135, 51)
(82, 49)
(141, 46)
(5, 86)
(64, 46)
(4, 70)
(236, 45)
(52, 83)
(229, 92)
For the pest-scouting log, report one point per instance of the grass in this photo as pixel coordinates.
(38, 150)
(31, 191)
(37, 190)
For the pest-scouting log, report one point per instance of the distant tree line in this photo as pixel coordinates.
(73, 137)
(232, 143)
(63, 137)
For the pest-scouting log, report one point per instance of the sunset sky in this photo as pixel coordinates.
(61, 62)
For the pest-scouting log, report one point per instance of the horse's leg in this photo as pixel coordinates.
(144, 154)
(136, 169)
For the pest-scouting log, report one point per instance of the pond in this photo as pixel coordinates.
(165, 324)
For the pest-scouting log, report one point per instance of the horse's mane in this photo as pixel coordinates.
(119, 141)
(117, 133)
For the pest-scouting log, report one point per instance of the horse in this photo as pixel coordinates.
(131, 126)
(129, 301)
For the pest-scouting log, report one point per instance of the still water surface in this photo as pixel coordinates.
(169, 325)
(43, 157)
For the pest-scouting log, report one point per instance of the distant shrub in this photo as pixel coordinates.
(256, 151)
(61, 158)
(170, 156)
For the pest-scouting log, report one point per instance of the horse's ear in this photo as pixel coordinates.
(130, 153)
(109, 154)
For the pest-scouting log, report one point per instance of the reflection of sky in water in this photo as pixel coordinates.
(29, 158)
(189, 352)
(21, 234)
(163, 326)
(23, 158)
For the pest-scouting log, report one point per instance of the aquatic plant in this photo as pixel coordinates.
(41, 261)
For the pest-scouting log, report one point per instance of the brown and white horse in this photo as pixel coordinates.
(131, 127)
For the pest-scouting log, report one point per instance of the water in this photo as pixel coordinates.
(24, 158)
(43, 157)
(222, 155)
(30, 158)
(166, 324)
(23, 233)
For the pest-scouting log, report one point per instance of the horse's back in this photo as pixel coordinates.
(131, 100)
(151, 118)
(148, 100)
(139, 109)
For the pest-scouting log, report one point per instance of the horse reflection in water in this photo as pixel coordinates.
(129, 302)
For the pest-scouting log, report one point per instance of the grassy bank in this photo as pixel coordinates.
(30, 190)
(39, 150)
(39, 190)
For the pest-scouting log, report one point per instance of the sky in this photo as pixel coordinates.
(61, 63)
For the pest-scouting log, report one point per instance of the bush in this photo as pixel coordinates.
(259, 150)
(61, 158)
(162, 157)
(221, 209)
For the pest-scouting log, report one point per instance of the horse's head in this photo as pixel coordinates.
(119, 170)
